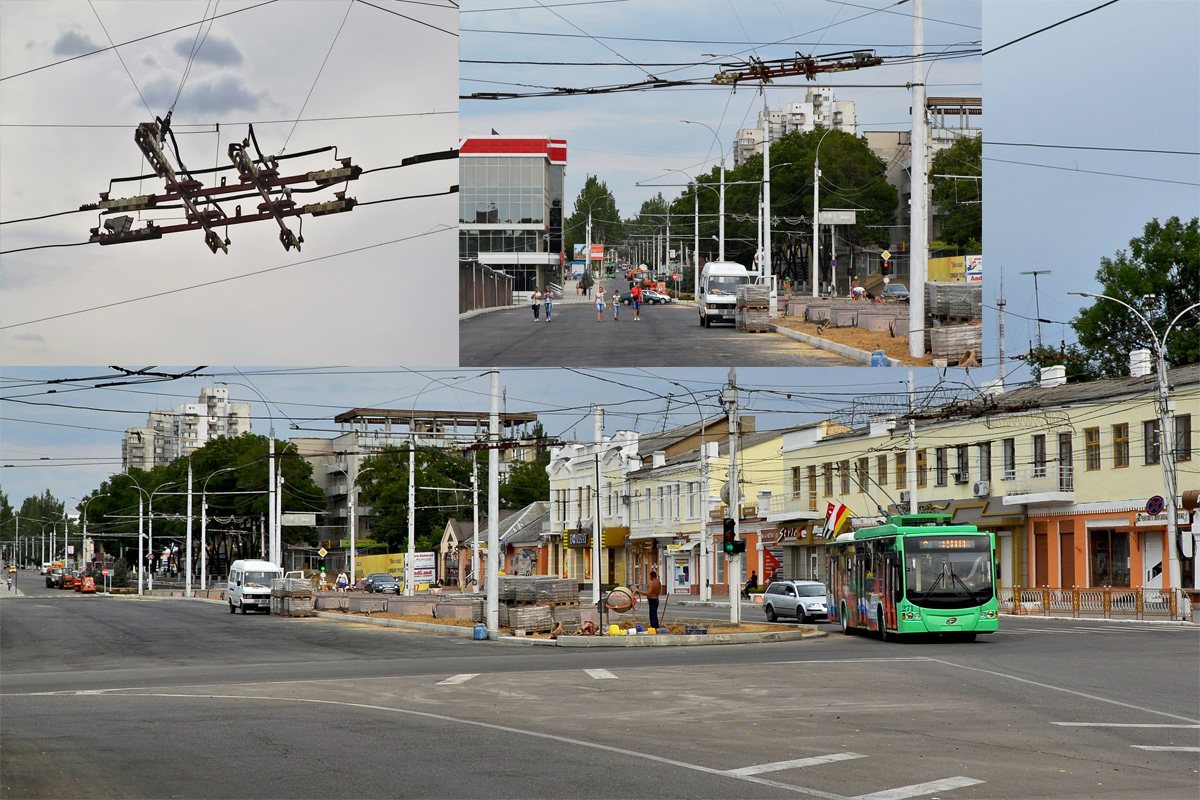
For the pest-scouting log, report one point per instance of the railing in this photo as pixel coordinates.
(1038, 479)
(1105, 602)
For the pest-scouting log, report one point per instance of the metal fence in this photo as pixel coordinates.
(1108, 603)
(483, 287)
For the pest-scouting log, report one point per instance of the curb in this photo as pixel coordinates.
(683, 640)
(479, 311)
(834, 347)
(1168, 622)
(427, 627)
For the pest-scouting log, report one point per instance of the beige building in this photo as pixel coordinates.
(169, 435)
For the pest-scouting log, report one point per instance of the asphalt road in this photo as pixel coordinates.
(667, 336)
(108, 697)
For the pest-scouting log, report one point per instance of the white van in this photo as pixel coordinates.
(250, 585)
(717, 295)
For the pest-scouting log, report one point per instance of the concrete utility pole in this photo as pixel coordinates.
(492, 580)
(597, 440)
(270, 499)
(911, 457)
(1000, 304)
(734, 563)
(918, 218)
(475, 513)
(412, 513)
(696, 246)
(188, 582)
(766, 189)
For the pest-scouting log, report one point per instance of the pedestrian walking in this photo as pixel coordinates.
(600, 303)
(651, 594)
(635, 296)
(342, 581)
(616, 304)
(549, 302)
(536, 298)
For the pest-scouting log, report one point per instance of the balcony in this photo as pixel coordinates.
(793, 506)
(1044, 485)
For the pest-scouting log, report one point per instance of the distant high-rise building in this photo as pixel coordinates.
(820, 109)
(169, 435)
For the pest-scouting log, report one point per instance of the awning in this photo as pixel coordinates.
(685, 547)
(650, 536)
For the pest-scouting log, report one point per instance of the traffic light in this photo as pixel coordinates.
(733, 544)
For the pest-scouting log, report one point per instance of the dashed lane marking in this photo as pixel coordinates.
(1162, 749)
(454, 680)
(797, 763)
(918, 789)
(1122, 725)
(600, 674)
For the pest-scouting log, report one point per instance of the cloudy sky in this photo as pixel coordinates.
(67, 129)
(66, 437)
(635, 137)
(1125, 76)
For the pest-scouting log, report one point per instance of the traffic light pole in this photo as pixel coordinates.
(734, 562)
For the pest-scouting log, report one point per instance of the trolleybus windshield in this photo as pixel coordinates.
(948, 571)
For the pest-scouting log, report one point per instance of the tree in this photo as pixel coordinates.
(528, 481)
(1072, 356)
(960, 199)
(439, 477)
(606, 220)
(1158, 276)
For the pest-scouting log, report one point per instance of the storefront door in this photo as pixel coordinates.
(1152, 559)
(1108, 552)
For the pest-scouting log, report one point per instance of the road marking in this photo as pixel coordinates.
(601, 674)
(1122, 725)
(1059, 689)
(1166, 749)
(793, 764)
(918, 789)
(457, 679)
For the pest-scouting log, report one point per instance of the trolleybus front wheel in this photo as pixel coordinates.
(846, 629)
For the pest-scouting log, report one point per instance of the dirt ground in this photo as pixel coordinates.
(719, 627)
(858, 338)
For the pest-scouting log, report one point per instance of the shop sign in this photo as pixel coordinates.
(769, 536)
(790, 534)
(1144, 520)
(579, 539)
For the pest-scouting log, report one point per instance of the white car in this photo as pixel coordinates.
(804, 600)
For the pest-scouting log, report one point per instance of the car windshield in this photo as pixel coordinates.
(260, 578)
(948, 571)
(726, 284)
(382, 578)
(811, 590)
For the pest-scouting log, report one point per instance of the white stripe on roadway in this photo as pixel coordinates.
(457, 679)
(1122, 725)
(793, 764)
(918, 789)
(600, 674)
(1166, 749)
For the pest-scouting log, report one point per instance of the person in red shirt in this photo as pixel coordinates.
(635, 295)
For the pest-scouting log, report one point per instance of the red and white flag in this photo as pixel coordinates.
(837, 516)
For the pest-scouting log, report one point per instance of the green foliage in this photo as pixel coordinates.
(43, 508)
(959, 200)
(606, 220)
(385, 489)
(1072, 356)
(528, 481)
(1158, 276)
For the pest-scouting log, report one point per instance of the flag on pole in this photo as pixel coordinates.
(837, 516)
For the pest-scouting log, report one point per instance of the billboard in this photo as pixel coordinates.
(974, 269)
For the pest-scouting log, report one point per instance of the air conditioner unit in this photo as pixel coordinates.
(904, 497)
(981, 488)
(962, 477)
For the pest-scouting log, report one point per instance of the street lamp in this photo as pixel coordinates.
(1166, 436)
(274, 539)
(204, 523)
(141, 557)
(83, 543)
(705, 587)
(587, 255)
(721, 212)
(150, 531)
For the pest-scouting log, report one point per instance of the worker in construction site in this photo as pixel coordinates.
(651, 594)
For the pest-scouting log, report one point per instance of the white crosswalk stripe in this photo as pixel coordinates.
(776, 766)
(600, 674)
(454, 680)
(918, 789)
(1163, 749)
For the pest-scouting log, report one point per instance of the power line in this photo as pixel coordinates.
(133, 41)
(1092, 171)
(410, 19)
(243, 122)
(1048, 27)
(328, 53)
(225, 280)
(40, 246)
(119, 58)
(1086, 147)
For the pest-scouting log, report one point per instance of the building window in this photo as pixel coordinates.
(844, 471)
(1091, 446)
(922, 470)
(901, 470)
(812, 488)
(1066, 463)
(662, 509)
(797, 482)
(691, 491)
(827, 471)
(984, 454)
(1120, 445)
(1183, 437)
(1039, 456)
(720, 577)
(1109, 557)
(881, 470)
(1008, 453)
(940, 467)
(864, 467)
(962, 463)
(1151, 449)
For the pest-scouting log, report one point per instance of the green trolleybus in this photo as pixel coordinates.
(916, 574)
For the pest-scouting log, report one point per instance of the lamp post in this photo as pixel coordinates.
(274, 540)
(150, 530)
(204, 523)
(141, 557)
(352, 502)
(587, 255)
(83, 544)
(816, 248)
(721, 211)
(705, 587)
(1166, 436)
